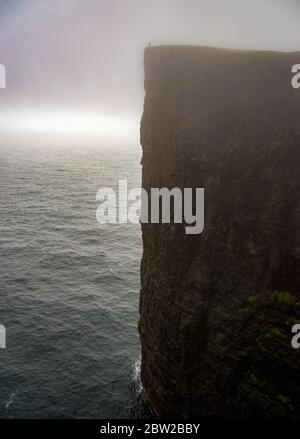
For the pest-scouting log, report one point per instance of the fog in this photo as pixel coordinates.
(70, 58)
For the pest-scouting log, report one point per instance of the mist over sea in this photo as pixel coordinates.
(69, 287)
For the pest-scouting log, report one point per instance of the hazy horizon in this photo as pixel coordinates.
(75, 68)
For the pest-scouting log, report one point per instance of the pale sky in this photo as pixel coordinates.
(76, 66)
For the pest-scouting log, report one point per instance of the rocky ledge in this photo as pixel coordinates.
(216, 309)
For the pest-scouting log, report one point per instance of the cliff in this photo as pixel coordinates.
(216, 309)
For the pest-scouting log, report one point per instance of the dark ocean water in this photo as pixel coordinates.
(69, 287)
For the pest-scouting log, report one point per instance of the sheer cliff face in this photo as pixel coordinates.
(216, 309)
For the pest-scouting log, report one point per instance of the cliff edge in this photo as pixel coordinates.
(216, 309)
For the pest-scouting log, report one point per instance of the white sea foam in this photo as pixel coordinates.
(137, 376)
(10, 401)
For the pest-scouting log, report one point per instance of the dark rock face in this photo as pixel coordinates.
(216, 309)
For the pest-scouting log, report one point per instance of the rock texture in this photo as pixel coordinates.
(216, 309)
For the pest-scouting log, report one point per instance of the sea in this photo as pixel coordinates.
(69, 287)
